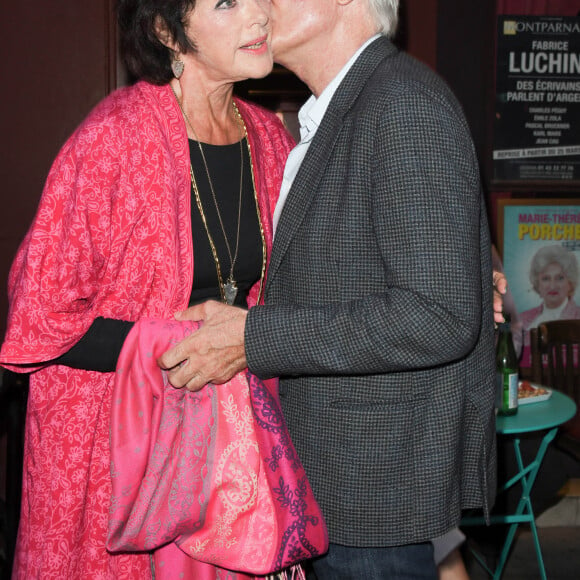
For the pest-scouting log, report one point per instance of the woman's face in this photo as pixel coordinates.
(553, 285)
(232, 38)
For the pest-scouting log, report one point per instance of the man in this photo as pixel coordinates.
(378, 305)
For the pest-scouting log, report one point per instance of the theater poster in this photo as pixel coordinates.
(536, 129)
(526, 226)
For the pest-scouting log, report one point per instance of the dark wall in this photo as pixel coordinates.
(465, 56)
(59, 61)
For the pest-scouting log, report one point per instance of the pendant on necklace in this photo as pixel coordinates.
(230, 291)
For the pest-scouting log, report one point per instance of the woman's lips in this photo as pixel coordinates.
(258, 46)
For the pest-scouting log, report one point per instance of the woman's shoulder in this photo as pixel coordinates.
(126, 105)
(571, 311)
(264, 122)
(128, 117)
(255, 111)
(528, 316)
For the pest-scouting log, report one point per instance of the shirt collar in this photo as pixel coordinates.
(311, 113)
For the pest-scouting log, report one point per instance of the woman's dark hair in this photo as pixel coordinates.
(144, 55)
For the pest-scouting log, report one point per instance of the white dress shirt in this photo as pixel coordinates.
(310, 116)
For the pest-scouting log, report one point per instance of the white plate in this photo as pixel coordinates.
(534, 398)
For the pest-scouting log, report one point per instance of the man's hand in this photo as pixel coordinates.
(212, 354)
(499, 289)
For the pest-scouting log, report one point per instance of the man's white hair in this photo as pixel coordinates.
(386, 15)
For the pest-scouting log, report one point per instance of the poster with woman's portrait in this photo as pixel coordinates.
(540, 245)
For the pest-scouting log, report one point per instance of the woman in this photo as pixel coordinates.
(135, 221)
(554, 277)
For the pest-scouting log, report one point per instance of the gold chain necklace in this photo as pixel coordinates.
(229, 290)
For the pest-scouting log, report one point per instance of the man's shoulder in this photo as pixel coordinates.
(398, 83)
(402, 73)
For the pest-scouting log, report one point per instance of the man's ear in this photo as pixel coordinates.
(162, 33)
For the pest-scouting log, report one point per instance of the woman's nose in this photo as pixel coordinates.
(261, 8)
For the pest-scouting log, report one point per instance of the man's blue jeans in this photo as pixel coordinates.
(412, 562)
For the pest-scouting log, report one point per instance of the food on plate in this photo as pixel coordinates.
(526, 390)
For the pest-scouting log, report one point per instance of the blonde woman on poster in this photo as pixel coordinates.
(554, 277)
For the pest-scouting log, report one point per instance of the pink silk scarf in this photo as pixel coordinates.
(214, 472)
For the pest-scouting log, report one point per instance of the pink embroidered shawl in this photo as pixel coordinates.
(112, 237)
(213, 471)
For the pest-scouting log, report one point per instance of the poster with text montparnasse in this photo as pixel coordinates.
(536, 134)
(536, 234)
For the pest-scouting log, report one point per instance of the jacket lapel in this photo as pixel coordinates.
(315, 163)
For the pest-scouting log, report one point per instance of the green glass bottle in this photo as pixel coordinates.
(506, 364)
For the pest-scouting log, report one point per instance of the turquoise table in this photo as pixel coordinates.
(544, 416)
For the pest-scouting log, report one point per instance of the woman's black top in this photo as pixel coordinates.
(100, 347)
